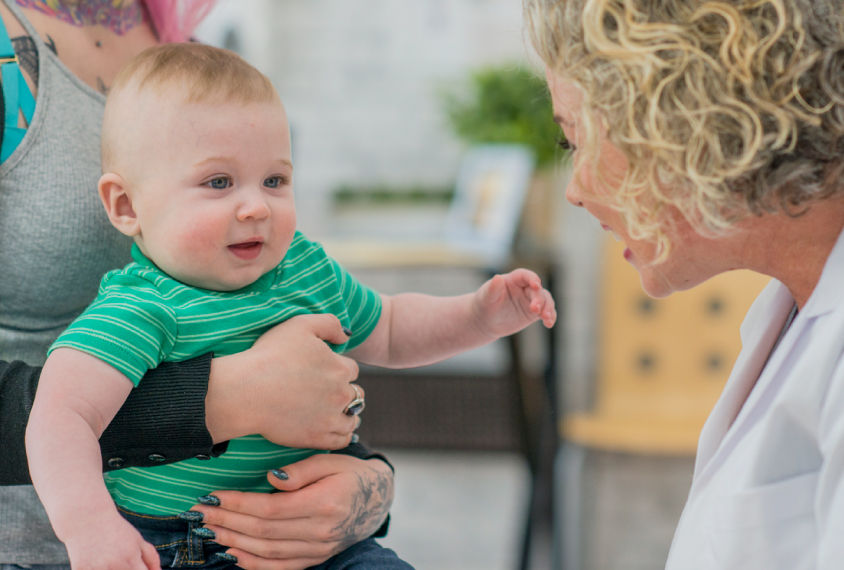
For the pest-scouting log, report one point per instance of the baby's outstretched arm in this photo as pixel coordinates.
(416, 329)
(77, 397)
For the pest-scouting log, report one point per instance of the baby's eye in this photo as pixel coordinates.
(219, 183)
(273, 181)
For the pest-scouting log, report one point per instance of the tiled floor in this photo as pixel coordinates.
(459, 510)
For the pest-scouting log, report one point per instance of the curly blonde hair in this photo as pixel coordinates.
(722, 108)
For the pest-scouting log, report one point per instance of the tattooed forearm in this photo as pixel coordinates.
(370, 505)
(27, 55)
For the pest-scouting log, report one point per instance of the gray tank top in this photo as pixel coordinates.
(55, 244)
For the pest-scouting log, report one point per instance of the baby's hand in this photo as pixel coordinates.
(508, 303)
(111, 544)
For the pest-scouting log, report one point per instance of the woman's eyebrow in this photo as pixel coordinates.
(562, 122)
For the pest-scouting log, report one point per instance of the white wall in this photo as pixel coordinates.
(360, 80)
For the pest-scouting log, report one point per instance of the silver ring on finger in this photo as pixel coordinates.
(357, 405)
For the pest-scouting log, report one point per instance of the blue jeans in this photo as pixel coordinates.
(178, 547)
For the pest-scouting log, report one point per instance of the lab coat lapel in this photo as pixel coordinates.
(736, 409)
(757, 347)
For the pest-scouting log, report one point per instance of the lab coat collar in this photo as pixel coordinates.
(829, 292)
(759, 333)
(743, 400)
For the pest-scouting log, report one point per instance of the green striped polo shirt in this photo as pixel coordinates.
(142, 317)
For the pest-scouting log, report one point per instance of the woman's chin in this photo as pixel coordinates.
(654, 285)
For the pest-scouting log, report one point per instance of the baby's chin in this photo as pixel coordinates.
(220, 274)
(232, 281)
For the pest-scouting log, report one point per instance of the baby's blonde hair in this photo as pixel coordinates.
(191, 72)
(723, 108)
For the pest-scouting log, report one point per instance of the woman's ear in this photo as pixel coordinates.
(118, 204)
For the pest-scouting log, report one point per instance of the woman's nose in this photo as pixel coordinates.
(573, 193)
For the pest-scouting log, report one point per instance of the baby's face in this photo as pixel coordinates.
(211, 187)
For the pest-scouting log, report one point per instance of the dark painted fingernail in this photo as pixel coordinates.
(280, 473)
(347, 331)
(210, 500)
(204, 533)
(226, 557)
(191, 516)
(355, 438)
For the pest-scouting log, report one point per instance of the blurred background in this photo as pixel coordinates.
(426, 160)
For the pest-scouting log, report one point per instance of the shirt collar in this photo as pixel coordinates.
(140, 258)
(829, 292)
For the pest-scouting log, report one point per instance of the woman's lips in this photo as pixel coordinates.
(606, 228)
(247, 250)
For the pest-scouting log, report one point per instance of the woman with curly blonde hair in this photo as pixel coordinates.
(709, 136)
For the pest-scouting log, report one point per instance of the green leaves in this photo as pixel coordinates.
(506, 104)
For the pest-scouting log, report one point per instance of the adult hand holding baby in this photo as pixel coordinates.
(308, 523)
(289, 368)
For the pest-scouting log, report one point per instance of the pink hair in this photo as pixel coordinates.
(175, 20)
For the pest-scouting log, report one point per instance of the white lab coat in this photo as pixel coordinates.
(768, 488)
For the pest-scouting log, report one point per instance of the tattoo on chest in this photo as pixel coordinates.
(370, 505)
(27, 55)
(119, 16)
(104, 89)
(50, 43)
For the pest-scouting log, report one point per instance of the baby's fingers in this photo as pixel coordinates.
(542, 305)
(524, 279)
(150, 556)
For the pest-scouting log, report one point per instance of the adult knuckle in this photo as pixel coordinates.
(324, 531)
(263, 531)
(339, 368)
(275, 551)
(268, 510)
(333, 509)
(218, 516)
(326, 550)
(353, 367)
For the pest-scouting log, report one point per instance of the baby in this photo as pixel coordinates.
(196, 155)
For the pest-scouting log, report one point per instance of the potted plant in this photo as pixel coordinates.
(511, 104)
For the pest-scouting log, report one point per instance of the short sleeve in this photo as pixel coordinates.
(128, 326)
(362, 303)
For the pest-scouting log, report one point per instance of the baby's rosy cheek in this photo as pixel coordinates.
(197, 237)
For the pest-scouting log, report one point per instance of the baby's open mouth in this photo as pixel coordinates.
(247, 249)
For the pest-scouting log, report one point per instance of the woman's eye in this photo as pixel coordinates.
(565, 144)
(273, 182)
(219, 183)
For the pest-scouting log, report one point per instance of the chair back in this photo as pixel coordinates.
(662, 363)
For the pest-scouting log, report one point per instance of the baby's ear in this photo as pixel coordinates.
(118, 204)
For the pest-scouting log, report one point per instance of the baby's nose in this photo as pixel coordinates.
(254, 206)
